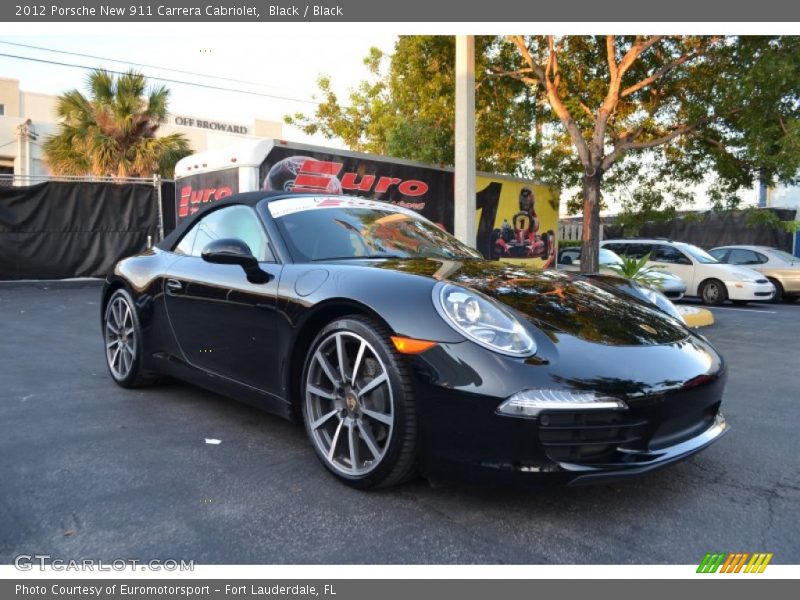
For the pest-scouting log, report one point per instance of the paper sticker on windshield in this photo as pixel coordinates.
(288, 206)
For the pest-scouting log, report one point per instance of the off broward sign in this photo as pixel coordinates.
(184, 121)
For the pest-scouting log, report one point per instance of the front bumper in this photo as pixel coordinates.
(644, 462)
(673, 396)
(743, 290)
(674, 290)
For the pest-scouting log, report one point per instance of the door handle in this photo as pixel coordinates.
(174, 286)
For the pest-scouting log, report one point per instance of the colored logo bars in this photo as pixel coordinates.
(735, 562)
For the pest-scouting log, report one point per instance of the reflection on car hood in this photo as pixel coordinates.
(595, 308)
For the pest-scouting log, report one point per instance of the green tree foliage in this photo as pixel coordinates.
(659, 114)
(406, 108)
(641, 118)
(113, 131)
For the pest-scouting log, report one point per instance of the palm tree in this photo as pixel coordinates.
(113, 132)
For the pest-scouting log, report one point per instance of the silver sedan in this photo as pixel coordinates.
(670, 285)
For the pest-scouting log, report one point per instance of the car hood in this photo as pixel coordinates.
(734, 270)
(596, 308)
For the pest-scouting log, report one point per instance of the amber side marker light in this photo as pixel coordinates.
(406, 345)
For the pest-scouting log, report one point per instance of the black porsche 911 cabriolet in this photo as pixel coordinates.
(404, 351)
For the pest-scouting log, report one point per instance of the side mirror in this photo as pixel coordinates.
(232, 251)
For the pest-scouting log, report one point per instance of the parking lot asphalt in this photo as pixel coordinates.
(89, 470)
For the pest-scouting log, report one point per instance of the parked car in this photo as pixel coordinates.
(781, 268)
(703, 274)
(403, 350)
(569, 255)
(668, 284)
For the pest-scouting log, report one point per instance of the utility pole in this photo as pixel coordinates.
(464, 214)
(25, 133)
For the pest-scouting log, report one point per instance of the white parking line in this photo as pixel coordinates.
(747, 310)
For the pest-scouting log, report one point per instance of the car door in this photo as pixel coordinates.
(671, 260)
(748, 258)
(223, 323)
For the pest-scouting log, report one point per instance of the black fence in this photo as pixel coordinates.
(64, 229)
(720, 228)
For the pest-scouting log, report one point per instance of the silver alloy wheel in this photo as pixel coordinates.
(711, 292)
(120, 338)
(348, 403)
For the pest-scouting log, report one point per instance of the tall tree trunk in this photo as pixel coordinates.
(590, 236)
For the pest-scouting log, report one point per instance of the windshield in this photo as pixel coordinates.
(698, 254)
(317, 229)
(783, 255)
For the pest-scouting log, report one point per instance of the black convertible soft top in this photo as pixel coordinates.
(247, 198)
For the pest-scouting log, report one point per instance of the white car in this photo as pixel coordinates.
(703, 274)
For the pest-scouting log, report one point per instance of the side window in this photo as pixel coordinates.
(238, 222)
(668, 254)
(740, 256)
(762, 258)
(630, 249)
(719, 254)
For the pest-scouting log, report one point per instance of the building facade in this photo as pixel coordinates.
(27, 118)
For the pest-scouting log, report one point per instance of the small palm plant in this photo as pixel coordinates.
(637, 270)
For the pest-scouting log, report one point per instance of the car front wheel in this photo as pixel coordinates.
(778, 295)
(358, 405)
(713, 292)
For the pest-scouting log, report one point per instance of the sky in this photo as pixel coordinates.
(278, 64)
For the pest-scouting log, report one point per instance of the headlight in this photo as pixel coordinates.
(482, 320)
(744, 277)
(529, 403)
(661, 301)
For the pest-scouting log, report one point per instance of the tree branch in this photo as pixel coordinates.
(668, 137)
(553, 98)
(611, 56)
(518, 75)
(635, 50)
(667, 68)
(624, 145)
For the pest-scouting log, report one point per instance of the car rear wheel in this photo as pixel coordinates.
(358, 405)
(713, 292)
(123, 342)
(778, 295)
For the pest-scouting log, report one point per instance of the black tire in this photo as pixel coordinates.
(713, 292)
(778, 295)
(132, 376)
(400, 441)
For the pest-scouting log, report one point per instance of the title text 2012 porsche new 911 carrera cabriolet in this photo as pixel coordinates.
(403, 351)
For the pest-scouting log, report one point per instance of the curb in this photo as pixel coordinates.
(695, 317)
(45, 284)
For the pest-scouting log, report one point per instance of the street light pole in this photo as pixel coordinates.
(464, 214)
